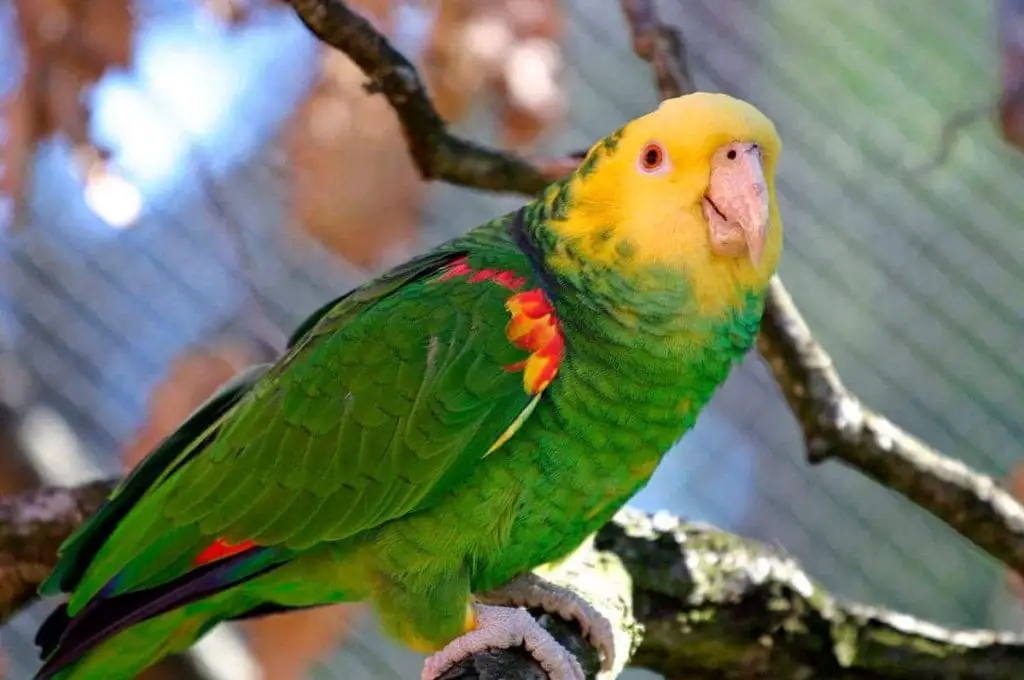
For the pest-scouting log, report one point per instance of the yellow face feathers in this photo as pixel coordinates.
(688, 186)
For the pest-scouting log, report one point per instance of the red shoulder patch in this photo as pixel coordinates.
(460, 269)
(220, 549)
(535, 328)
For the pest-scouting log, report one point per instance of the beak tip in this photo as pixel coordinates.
(755, 239)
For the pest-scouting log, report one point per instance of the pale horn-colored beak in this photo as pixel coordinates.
(736, 202)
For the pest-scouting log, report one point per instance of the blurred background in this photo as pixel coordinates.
(182, 181)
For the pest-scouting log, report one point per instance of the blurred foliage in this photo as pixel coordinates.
(67, 46)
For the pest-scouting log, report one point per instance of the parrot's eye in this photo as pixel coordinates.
(653, 159)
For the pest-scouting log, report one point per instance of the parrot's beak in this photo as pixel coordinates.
(736, 202)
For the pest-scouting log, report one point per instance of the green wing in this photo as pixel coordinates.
(388, 396)
(201, 427)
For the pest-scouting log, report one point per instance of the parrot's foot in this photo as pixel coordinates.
(506, 628)
(533, 592)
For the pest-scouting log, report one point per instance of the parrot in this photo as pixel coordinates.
(430, 439)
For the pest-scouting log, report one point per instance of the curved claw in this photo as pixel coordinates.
(506, 628)
(532, 591)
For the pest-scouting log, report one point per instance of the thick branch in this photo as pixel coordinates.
(715, 605)
(709, 604)
(32, 527)
(603, 581)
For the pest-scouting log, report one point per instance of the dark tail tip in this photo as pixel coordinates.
(63, 639)
(52, 630)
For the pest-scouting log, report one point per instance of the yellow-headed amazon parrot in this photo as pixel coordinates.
(442, 430)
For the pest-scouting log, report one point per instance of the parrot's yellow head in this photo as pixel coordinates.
(690, 186)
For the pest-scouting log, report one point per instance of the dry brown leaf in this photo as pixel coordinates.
(354, 187)
(530, 98)
(67, 45)
(17, 142)
(454, 72)
(100, 36)
(230, 12)
(1011, 102)
(235, 12)
(530, 84)
(16, 471)
(1015, 485)
(508, 49)
(1009, 16)
(1011, 118)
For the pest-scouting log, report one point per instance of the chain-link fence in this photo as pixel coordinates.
(907, 277)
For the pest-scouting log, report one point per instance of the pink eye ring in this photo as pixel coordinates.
(653, 158)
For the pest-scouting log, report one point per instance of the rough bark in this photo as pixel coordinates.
(32, 527)
(687, 600)
(836, 425)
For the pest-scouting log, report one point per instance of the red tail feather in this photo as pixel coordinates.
(220, 549)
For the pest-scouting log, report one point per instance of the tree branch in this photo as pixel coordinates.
(438, 154)
(836, 425)
(33, 524)
(709, 604)
(715, 605)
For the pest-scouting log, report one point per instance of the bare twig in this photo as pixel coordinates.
(836, 425)
(660, 45)
(949, 134)
(438, 154)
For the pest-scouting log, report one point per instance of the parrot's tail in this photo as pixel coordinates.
(122, 632)
(129, 652)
